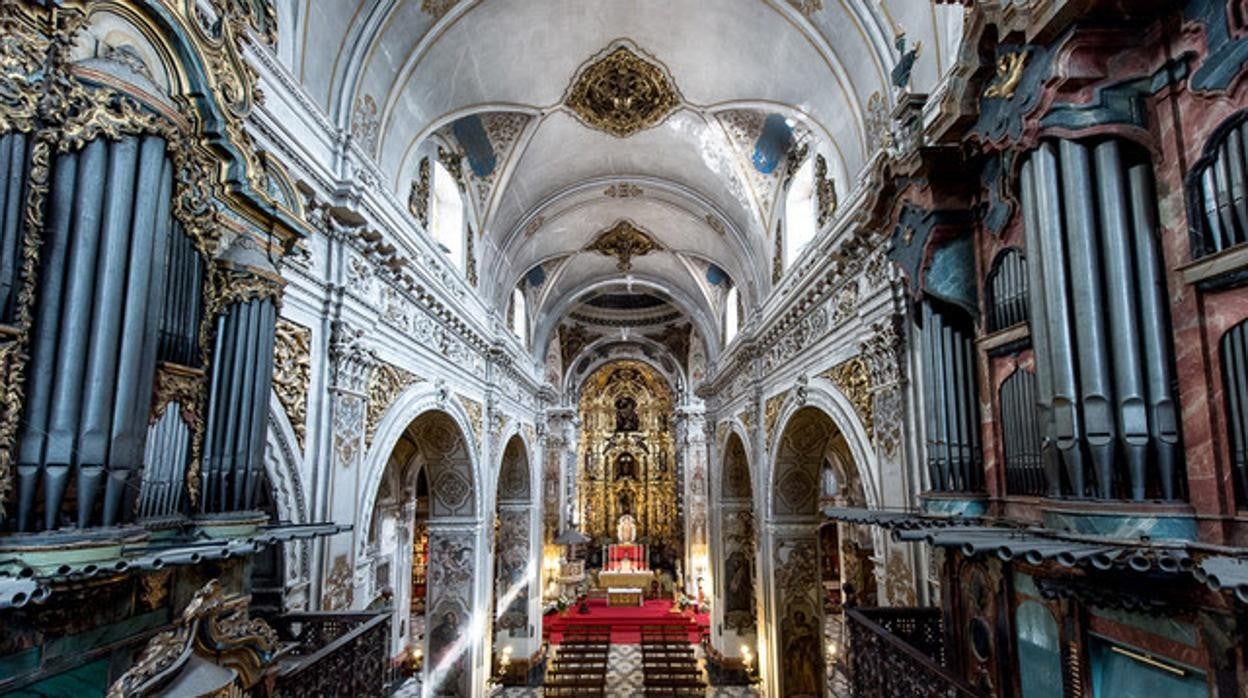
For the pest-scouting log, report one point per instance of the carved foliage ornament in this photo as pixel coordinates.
(475, 415)
(292, 373)
(213, 626)
(825, 190)
(624, 241)
(853, 379)
(771, 414)
(622, 93)
(418, 200)
(385, 383)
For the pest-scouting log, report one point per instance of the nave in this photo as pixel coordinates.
(784, 348)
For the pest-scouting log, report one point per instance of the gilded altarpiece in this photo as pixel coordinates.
(626, 459)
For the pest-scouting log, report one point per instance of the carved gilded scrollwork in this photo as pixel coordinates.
(385, 383)
(825, 191)
(1009, 73)
(418, 200)
(475, 415)
(624, 241)
(453, 161)
(292, 373)
(622, 93)
(853, 379)
(771, 414)
(213, 626)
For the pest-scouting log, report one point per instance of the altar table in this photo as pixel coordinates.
(624, 596)
(625, 580)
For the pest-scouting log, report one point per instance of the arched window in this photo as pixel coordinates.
(732, 317)
(519, 316)
(447, 221)
(800, 212)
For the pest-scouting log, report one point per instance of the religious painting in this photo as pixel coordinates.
(802, 653)
(738, 592)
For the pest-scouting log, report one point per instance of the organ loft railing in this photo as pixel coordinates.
(900, 652)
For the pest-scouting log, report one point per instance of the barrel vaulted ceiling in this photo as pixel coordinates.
(744, 84)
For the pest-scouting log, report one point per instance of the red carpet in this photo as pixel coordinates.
(626, 621)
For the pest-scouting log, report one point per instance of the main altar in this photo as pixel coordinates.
(627, 475)
(626, 564)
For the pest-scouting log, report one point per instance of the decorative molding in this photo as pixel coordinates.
(825, 191)
(385, 383)
(437, 8)
(418, 199)
(624, 241)
(339, 590)
(475, 415)
(808, 8)
(621, 92)
(1009, 73)
(292, 373)
(214, 628)
(853, 379)
(771, 414)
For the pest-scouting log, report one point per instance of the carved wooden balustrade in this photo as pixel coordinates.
(333, 654)
(900, 652)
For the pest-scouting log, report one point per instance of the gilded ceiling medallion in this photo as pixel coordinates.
(622, 93)
(624, 241)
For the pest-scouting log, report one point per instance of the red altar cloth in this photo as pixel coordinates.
(634, 554)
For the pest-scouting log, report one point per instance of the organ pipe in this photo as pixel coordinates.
(1122, 318)
(953, 454)
(1039, 331)
(1163, 421)
(1096, 391)
(1065, 411)
(102, 276)
(242, 370)
(1107, 266)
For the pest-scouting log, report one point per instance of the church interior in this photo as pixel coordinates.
(775, 348)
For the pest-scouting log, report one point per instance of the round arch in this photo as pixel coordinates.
(824, 396)
(413, 404)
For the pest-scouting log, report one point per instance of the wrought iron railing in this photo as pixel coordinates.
(333, 654)
(900, 652)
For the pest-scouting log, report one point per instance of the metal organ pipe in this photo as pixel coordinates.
(1163, 426)
(70, 366)
(1067, 428)
(13, 159)
(110, 278)
(1123, 321)
(1039, 329)
(1096, 390)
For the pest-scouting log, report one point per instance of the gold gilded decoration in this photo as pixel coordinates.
(454, 164)
(155, 587)
(624, 241)
(238, 286)
(627, 455)
(808, 8)
(475, 415)
(853, 378)
(747, 420)
(339, 592)
(825, 191)
(771, 414)
(214, 628)
(418, 200)
(777, 254)
(437, 8)
(385, 383)
(470, 258)
(623, 190)
(22, 49)
(622, 93)
(1009, 73)
(899, 584)
(292, 373)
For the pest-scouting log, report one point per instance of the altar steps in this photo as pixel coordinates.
(626, 623)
